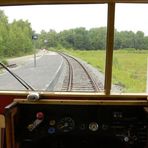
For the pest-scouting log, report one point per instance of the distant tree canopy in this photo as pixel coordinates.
(16, 38)
(93, 39)
(78, 38)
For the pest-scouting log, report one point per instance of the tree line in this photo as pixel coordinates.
(16, 38)
(93, 39)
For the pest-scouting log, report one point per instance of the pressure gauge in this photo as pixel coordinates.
(93, 126)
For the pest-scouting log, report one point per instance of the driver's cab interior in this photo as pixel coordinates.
(35, 119)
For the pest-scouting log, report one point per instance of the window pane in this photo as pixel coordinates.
(30, 37)
(130, 48)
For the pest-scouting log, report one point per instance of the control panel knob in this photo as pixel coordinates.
(52, 122)
(51, 130)
(36, 122)
(126, 139)
(39, 115)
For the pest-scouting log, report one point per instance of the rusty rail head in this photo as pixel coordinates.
(70, 71)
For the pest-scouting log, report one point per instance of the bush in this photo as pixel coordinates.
(4, 61)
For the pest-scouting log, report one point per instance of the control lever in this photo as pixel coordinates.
(38, 121)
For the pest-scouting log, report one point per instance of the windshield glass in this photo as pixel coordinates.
(36, 41)
(130, 59)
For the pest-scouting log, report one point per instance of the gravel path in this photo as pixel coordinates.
(38, 77)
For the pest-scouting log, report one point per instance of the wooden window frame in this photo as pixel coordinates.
(110, 27)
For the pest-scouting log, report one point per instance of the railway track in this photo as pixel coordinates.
(77, 77)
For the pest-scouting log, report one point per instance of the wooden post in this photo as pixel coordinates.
(109, 47)
(2, 128)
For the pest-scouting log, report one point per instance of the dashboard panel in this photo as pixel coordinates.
(71, 126)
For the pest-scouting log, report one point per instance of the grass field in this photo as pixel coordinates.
(129, 67)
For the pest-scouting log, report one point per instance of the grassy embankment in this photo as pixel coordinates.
(129, 67)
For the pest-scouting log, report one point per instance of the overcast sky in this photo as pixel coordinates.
(60, 17)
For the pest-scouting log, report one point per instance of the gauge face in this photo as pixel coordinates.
(93, 126)
(52, 122)
(66, 124)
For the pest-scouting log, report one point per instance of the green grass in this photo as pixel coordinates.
(95, 58)
(129, 67)
(130, 70)
(4, 61)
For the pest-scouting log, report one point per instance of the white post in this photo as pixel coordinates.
(34, 57)
(34, 38)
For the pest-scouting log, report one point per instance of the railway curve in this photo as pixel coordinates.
(78, 78)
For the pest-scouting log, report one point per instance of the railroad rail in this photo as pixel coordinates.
(78, 77)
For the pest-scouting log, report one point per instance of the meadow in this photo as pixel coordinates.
(129, 67)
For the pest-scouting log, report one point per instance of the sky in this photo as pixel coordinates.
(130, 17)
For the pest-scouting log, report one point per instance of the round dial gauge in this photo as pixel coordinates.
(93, 126)
(66, 124)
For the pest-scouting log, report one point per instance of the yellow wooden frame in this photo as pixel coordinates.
(110, 34)
(2, 121)
(31, 2)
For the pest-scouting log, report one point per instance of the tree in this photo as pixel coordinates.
(4, 31)
(145, 46)
(124, 39)
(81, 38)
(139, 40)
(51, 38)
(98, 38)
(67, 38)
(20, 38)
(42, 37)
